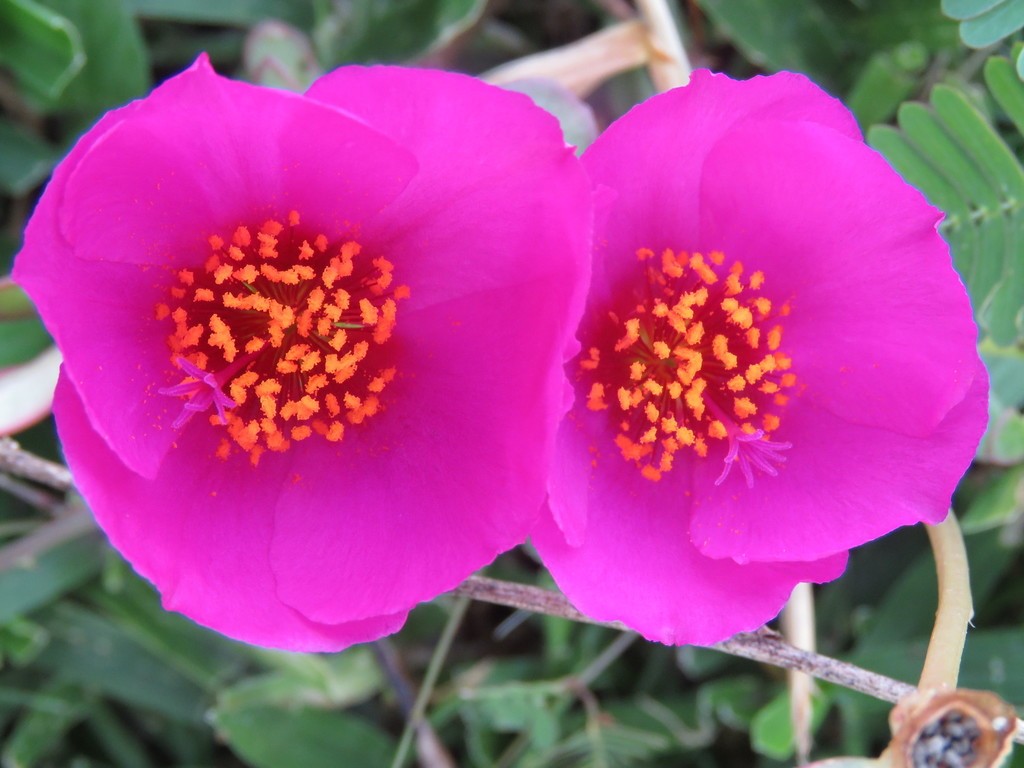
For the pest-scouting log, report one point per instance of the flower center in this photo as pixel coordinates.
(281, 334)
(696, 360)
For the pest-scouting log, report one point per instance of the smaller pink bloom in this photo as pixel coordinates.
(778, 362)
(313, 344)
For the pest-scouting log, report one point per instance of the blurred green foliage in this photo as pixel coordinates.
(94, 673)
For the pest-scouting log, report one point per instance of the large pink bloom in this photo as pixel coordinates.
(778, 362)
(313, 344)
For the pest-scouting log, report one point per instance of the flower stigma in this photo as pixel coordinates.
(698, 359)
(280, 334)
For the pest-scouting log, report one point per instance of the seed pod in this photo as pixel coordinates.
(951, 729)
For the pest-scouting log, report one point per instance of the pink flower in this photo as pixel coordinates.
(313, 344)
(778, 362)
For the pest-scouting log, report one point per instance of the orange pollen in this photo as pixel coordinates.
(690, 361)
(284, 333)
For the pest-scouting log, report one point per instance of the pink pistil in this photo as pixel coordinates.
(752, 451)
(202, 393)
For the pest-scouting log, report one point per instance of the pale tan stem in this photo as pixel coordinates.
(668, 65)
(584, 65)
(942, 663)
(798, 629)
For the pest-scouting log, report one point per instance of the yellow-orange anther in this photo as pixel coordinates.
(691, 364)
(287, 330)
(703, 270)
(632, 335)
(720, 349)
(595, 400)
(744, 407)
(695, 398)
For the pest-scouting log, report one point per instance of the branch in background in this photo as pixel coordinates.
(31, 494)
(14, 460)
(526, 598)
(763, 646)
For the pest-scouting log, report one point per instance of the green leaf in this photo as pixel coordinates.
(1004, 85)
(888, 78)
(1003, 442)
(50, 575)
(515, 707)
(603, 744)
(908, 609)
(42, 48)
(686, 721)
(967, 9)
(21, 340)
(268, 737)
(1006, 372)
(830, 40)
(967, 125)
(1000, 502)
(94, 652)
(990, 661)
(122, 743)
(394, 30)
(8, 246)
(991, 26)
(905, 158)
(22, 640)
(25, 160)
(116, 68)
(242, 13)
(786, 34)
(340, 680)
(771, 733)
(202, 656)
(957, 158)
(40, 730)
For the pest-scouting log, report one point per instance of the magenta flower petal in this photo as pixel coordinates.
(778, 362)
(679, 129)
(880, 321)
(635, 563)
(348, 371)
(208, 556)
(128, 195)
(863, 482)
(524, 152)
(495, 293)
